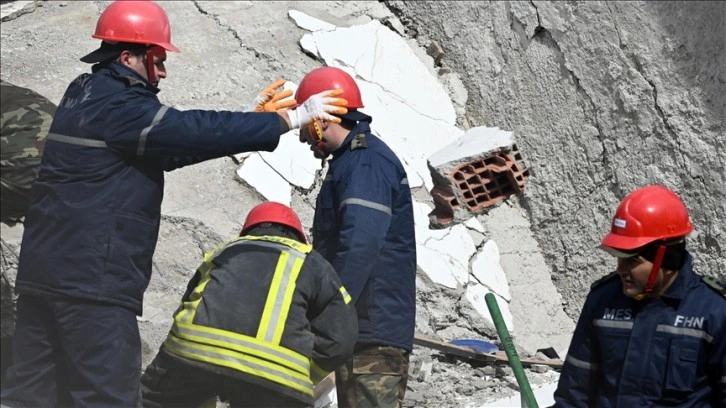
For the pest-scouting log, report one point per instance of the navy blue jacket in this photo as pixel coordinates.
(93, 220)
(668, 351)
(364, 227)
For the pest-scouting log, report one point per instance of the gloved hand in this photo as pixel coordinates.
(269, 100)
(320, 106)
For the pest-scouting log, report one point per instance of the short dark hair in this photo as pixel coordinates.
(110, 51)
(347, 124)
(674, 255)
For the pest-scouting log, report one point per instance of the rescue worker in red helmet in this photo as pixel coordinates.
(657, 335)
(93, 218)
(364, 226)
(263, 319)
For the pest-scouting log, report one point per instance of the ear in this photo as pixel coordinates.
(324, 124)
(125, 58)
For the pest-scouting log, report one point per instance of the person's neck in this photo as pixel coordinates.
(668, 278)
(337, 135)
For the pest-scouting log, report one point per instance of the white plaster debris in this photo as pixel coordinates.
(475, 293)
(396, 86)
(487, 269)
(442, 254)
(295, 166)
(310, 23)
(474, 224)
(392, 79)
(475, 142)
(397, 89)
(266, 180)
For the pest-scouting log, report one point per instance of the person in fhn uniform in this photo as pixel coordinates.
(652, 333)
(364, 226)
(93, 219)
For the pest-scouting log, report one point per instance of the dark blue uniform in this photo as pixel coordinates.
(364, 227)
(668, 351)
(92, 227)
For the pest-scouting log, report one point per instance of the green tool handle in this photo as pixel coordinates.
(508, 344)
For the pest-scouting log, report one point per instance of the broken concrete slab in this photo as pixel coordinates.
(478, 170)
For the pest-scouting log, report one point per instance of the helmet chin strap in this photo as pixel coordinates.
(648, 292)
(314, 136)
(150, 72)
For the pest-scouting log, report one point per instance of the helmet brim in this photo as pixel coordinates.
(617, 252)
(168, 47)
(625, 243)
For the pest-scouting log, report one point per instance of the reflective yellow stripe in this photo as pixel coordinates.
(279, 298)
(317, 374)
(261, 356)
(241, 362)
(284, 308)
(263, 332)
(189, 309)
(242, 343)
(346, 296)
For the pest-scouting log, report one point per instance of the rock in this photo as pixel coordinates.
(504, 371)
(435, 51)
(487, 371)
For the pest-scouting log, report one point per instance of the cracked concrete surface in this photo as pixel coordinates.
(607, 96)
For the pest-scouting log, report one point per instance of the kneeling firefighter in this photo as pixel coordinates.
(263, 319)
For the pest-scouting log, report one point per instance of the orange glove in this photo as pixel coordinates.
(269, 100)
(320, 106)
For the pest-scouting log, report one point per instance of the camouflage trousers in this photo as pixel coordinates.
(374, 376)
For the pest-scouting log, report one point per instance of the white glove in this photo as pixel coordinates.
(319, 107)
(269, 100)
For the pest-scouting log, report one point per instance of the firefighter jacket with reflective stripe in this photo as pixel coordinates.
(667, 351)
(266, 310)
(94, 214)
(364, 226)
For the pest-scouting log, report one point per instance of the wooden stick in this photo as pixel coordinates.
(466, 352)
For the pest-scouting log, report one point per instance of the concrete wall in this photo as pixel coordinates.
(604, 97)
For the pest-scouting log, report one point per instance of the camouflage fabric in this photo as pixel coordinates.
(375, 376)
(26, 119)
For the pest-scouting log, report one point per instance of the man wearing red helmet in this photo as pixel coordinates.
(657, 335)
(364, 226)
(263, 319)
(93, 219)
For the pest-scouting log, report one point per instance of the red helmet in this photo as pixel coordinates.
(276, 213)
(646, 215)
(326, 78)
(141, 22)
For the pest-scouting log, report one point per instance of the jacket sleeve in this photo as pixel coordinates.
(177, 162)
(577, 386)
(333, 321)
(136, 123)
(366, 199)
(717, 361)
